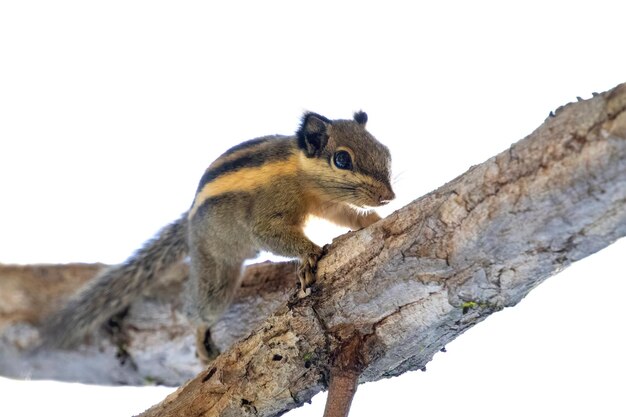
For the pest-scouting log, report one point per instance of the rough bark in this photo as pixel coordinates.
(400, 289)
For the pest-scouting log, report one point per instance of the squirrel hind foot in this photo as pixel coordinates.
(206, 350)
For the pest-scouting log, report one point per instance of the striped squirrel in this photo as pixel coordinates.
(256, 196)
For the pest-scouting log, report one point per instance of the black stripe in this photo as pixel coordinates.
(277, 151)
(247, 144)
(217, 199)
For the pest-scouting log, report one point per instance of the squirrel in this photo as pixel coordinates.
(256, 196)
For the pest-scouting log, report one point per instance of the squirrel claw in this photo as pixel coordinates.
(304, 293)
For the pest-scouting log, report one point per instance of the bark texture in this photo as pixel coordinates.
(399, 290)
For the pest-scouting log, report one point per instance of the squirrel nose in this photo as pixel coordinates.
(386, 197)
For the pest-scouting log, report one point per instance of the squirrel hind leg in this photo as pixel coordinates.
(210, 291)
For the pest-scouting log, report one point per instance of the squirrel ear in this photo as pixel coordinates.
(360, 117)
(313, 135)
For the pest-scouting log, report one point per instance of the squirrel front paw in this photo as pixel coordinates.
(306, 271)
(368, 219)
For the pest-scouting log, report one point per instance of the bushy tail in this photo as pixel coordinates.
(116, 287)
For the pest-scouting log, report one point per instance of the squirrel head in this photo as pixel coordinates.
(344, 162)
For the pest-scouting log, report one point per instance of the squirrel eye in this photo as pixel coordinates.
(342, 160)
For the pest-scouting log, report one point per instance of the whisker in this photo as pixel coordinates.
(398, 177)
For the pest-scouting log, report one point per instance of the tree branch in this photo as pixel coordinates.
(403, 287)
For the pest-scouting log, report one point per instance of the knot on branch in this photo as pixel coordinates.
(349, 357)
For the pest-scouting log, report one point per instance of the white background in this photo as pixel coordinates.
(110, 112)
